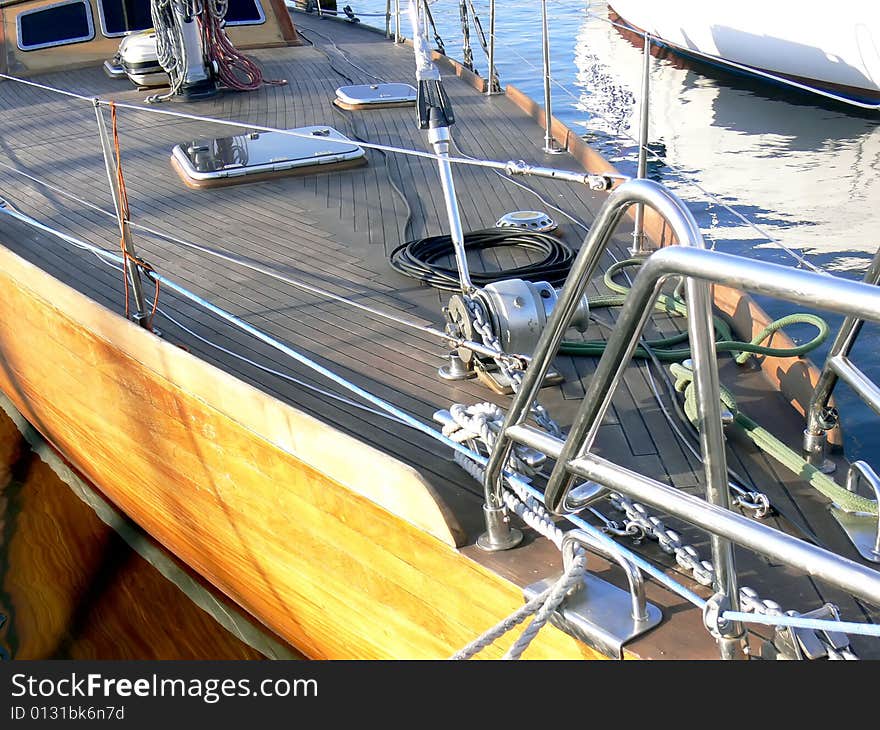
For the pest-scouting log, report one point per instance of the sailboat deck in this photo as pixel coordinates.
(335, 230)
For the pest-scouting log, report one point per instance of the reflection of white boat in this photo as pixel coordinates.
(803, 175)
(835, 52)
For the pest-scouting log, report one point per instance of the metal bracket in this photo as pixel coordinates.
(499, 535)
(794, 643)
(598, 613)
(815, 448)
(490, 376)
(712, 620)
(456, 369)
(862, 528)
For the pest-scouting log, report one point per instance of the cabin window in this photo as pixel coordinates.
(245, 12)
(55, 25)
(119, 17)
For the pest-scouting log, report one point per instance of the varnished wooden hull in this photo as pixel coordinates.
(283, 514)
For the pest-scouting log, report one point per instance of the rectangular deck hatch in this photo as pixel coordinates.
(203, 162)
(375, 95)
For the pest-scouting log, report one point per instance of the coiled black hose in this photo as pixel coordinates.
(418, 259)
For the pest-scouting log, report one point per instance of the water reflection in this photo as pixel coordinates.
(72, 588)
(802, 170)
(804, 173)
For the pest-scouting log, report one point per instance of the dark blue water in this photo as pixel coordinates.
(762, 168)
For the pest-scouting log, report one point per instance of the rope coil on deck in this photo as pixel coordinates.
(418, 259)
(233, 69)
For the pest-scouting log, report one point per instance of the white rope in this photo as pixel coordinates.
(170, 46)
(492, 635)
(570, 580)
(60, 191)
(541, 606)
(482, 422)
(844, 627)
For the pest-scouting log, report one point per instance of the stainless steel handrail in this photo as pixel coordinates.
(582, 270)
(700, 267)
(859, 470)
(847, 574)
(611, 366)
(832, 294)
(640, 245)
(837, 366)
(801, 287)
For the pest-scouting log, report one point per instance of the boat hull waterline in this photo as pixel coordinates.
(837, 53)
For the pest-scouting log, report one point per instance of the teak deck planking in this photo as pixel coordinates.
(334, 526)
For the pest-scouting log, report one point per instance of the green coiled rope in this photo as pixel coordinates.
(772, 446)
(664, 347)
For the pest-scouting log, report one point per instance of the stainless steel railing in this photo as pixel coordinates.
(838, 366)
(574, 458)
(801, 287)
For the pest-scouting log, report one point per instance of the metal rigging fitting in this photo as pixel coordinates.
(790, 642)
(516, 312)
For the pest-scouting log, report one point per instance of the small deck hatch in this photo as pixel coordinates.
(225, 160)
(365, 96)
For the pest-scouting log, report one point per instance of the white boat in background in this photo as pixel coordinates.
(835, 54)
(784, 164)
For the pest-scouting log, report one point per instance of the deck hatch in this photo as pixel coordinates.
(255, 153)
(245, 12)
(366, 95)
(55, 25)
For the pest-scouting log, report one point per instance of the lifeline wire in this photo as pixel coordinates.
(491, 164)
(412, 422)
(112, 259)
(433, 331)
(278, 373)
(404, 417)
(846, 627)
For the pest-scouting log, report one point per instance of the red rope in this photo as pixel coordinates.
(125, 215)
(124, 211)
(234, 70)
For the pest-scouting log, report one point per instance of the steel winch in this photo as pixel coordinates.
(509, 314)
